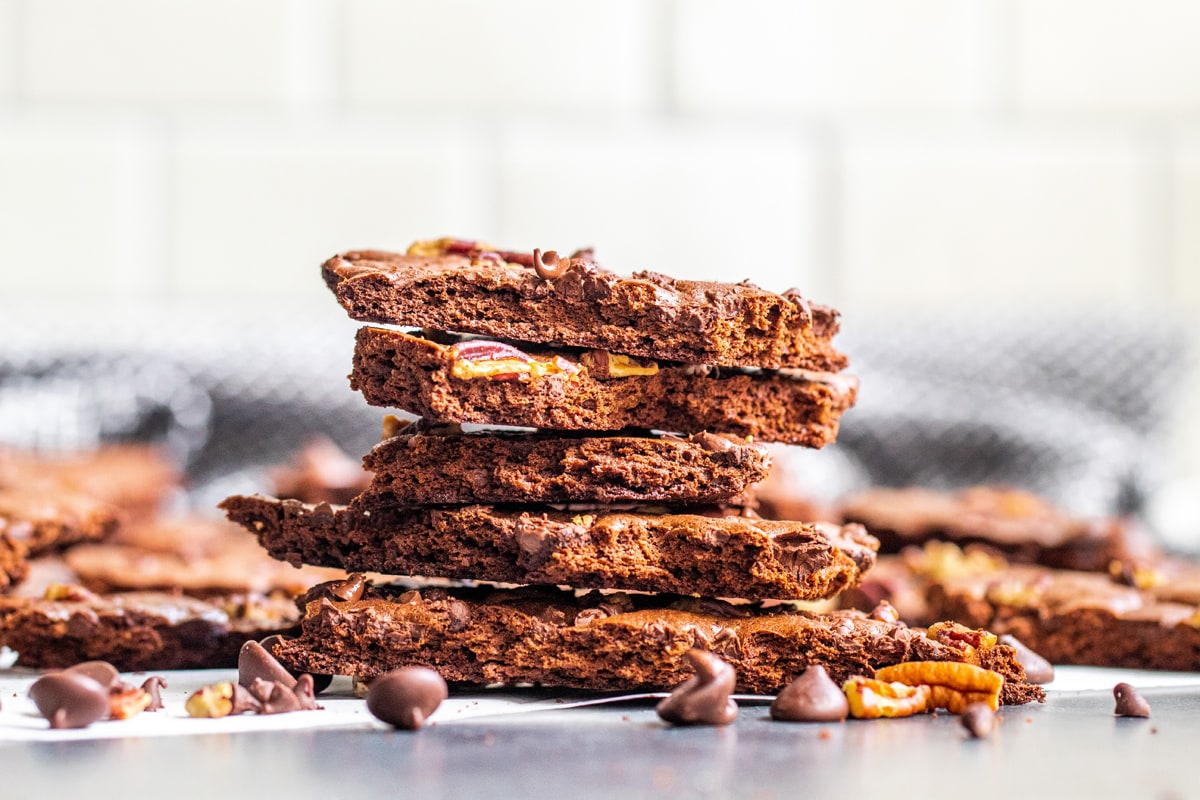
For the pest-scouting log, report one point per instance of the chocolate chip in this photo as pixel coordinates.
(306, 692)
(711, 442)
(69, 699)
(703, 699)
(405, 697)
(1037, 669)
(813, 697)
(101, 672)
(979, 720)
(255, 662)
(349, 590)
(153, 686)
(1129, 702)
(276, 697)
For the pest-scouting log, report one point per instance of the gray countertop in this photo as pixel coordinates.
(1071, 746)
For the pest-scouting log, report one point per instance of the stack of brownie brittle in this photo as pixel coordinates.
(613, 481)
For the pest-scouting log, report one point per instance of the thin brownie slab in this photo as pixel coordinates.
(610, 641)
(40, 519)
(137, 630)
(197, 556)
(136, 479)
(1021, 526)
(431, 465)
(497, 384)
(683, 553)
(647, 315)
(1086, 618)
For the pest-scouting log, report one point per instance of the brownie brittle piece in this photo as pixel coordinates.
(479, 290)
(614, 641)
(685, 553)
(1087, 618)
(1019, 525)
(430, 465)
(493, 383)
(136, 630)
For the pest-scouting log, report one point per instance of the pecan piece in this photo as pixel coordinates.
(870, 698)
(952, 685)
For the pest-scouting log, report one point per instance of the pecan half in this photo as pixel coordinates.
(952, 684)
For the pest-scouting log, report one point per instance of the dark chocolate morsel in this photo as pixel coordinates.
(1037, 669)
(276, 697)
(153, 686)
(1129, 702)
(703, 699)
(256, 662)
(306, 693)
(405, 697)
(320, 682)
(70, 699)
(813, 697)
(101, 672)
(979, 720)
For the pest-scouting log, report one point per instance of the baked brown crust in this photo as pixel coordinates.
(682, 553)
(603, 641)
(398, 370)
(453, 468)
(647, 315)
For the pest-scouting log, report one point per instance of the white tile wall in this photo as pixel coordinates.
(877, 153)
(9, 52)
(817, 55)
(480, 55)
(1108, 55)
(256, 210)
(1185, 223)
(70, 212)
(983, 216)
(157, 50)
(728, 204)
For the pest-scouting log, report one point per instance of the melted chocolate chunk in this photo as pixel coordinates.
(70, 700)
(404, 698)
(813, 697)
(703, 699)
(1129, 702)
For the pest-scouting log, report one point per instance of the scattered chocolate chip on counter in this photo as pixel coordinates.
(153, 687)
(703, 699)
(404, 698)
(1129, 702)
(70, 699)
(979, 720)
(813, 697)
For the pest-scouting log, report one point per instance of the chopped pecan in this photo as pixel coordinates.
(872, 698)
(953, 685)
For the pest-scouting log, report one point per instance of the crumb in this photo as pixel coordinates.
(1154, 730)
(825, 734)
(625, 718)
(1029, 719)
